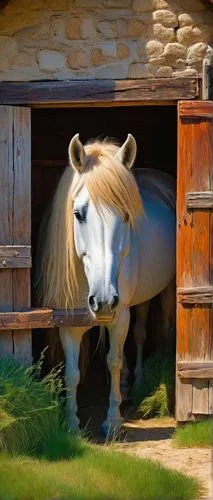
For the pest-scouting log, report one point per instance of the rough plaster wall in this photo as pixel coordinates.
(82, 39)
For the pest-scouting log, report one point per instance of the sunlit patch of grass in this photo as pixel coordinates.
(94, 474)
(196, 434)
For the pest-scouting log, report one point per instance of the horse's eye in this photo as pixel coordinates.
(126, 218)
(79, 216)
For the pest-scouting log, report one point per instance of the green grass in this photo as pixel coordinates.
(197, 434)
(154, 395)
(29, 408)
(93, 474)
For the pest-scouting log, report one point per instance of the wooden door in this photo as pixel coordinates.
(194, 381)
(15, 225)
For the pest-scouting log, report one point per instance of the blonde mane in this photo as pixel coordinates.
(61, 282)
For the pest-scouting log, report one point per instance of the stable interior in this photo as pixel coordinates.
(155, 130)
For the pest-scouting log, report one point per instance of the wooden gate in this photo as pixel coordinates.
(194, 383)
(15, 224)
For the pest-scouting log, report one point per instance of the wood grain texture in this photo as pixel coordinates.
(195, 295)
(6, 221)
(199, 200)
(45, 318)
(12, 256)
(196, 109)
(200, 397)
(98, 91)
(206, 373)
(195, 162)
(22, 342)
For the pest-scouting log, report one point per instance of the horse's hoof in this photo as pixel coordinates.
(111, 428)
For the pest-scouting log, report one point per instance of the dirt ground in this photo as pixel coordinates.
(152, 439)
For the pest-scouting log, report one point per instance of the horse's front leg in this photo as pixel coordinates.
(71, 340)
(117, 337)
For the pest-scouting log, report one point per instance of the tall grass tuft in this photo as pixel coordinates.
(194, 435)
(154, 395)
(30, 408)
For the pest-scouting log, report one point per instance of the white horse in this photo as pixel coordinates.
(109, 244)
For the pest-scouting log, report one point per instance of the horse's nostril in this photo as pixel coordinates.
(93, 303)
(114, 303)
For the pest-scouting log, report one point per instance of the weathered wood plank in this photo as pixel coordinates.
(205, 373)
(6, 222)
(194, 365)
(210, 397)
(45, 318)
(200, 200)
(22, 342)
(195, 162)
(195, 295)
(183, 400)
(38, 318)
(12, 256)
(76, 317)
(195, 369)
(98, 91)
(196, 109)
(200, 397)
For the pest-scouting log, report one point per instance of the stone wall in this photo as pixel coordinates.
(82, 39)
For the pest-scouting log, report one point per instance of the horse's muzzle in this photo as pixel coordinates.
(103, 309)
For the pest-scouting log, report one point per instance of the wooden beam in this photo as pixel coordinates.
(195, 369)
(199, 200)
(45, 318)
(195, 295)
(98, 92)
(204, 109)
(12, 256)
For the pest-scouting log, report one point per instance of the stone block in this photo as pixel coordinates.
(174, 51)
(186, 72)
(136, 28)
(163, 34)
(8, 46)
(4, 63)
(58, 27)
(108, 49)
(97, 57)
(185, 20)
(78, 59)
(154, 48)
(107, 28)
(87, 29)
(166, 18)
(164, 72)
(138, 70)
(51, 60)
(73, 28)
(122, 51)
(160, 4)
(196, 53)
(188, 35)
(23, 59)
(42, 32)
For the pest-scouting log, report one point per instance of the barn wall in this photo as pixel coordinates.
(77, 39)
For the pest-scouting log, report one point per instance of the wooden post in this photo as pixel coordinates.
(15, 223)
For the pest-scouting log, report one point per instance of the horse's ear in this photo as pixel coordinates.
(127, 153)
(76, 154)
